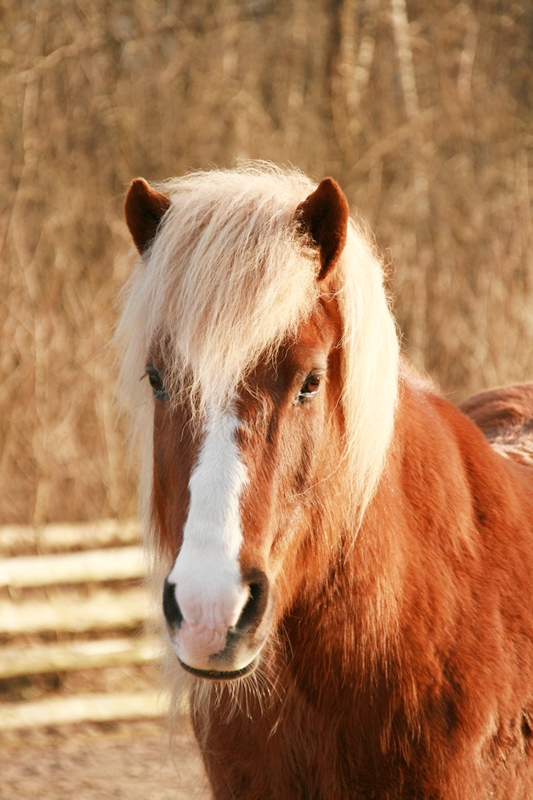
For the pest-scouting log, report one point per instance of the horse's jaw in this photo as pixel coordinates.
(221, 675)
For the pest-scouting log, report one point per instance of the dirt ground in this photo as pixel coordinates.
(130, 761)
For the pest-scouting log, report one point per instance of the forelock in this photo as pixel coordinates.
(228, 277)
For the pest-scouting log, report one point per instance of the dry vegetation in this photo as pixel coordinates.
(423, 112)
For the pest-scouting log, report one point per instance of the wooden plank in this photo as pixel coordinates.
(82, 708)
(34, 659)
(65, 612)
(113, 564)
(68, 536)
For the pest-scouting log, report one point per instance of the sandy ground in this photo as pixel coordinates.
(134, 761)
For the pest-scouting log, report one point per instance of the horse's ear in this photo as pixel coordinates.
(324, 215)
(144, 208)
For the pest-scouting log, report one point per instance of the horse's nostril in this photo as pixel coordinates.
(171, 608)
(255, 607)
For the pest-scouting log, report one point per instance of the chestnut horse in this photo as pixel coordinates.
(349, 555)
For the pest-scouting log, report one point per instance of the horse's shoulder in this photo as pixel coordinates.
(505, 416)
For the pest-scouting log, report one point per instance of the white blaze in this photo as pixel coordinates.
(209, 589)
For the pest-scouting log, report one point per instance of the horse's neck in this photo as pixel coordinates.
(397, 577)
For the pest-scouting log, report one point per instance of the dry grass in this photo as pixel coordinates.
(423, 113)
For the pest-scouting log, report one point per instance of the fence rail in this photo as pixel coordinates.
(76, 655)
(75, 603)
(82, 708)
(68, 536)
(119, 563)
(66, 613)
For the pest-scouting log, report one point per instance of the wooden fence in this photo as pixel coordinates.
(69, 565)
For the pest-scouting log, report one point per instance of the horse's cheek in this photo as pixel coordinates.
(257, 510)
(310, 433)
(171, 468)
(294, 478)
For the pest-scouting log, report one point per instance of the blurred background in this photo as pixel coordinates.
(421, 110)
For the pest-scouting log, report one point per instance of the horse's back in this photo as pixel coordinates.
(505, 416)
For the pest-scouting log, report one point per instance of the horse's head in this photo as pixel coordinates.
(246, 481)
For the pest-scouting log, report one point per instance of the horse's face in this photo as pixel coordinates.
(234, 497)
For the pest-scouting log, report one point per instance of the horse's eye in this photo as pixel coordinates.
(310, 388)
(158, 387)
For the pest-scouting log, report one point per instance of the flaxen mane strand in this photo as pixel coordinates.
(229, 275)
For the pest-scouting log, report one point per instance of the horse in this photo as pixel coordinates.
(348, 555)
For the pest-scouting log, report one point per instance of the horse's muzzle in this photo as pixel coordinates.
(215, 653)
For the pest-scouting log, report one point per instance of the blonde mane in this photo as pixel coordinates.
(226, 279)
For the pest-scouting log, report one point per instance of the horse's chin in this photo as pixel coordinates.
(221, 675)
